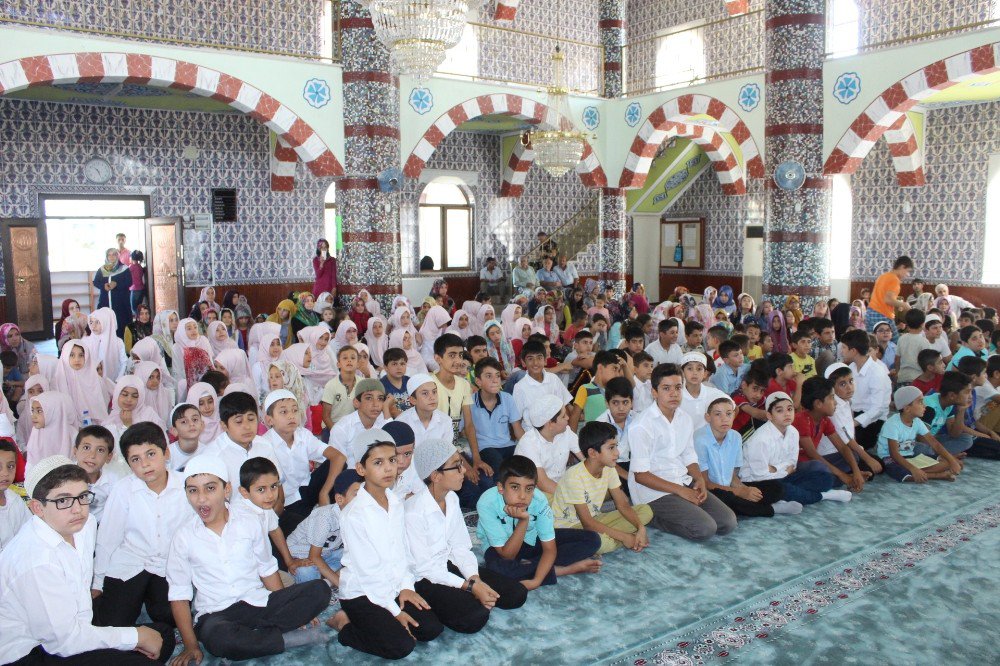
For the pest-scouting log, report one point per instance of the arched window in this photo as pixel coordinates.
(444, 226)
(331, 219)
(843, 31)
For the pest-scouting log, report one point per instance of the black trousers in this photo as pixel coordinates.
(122, 600)
(772, 492)
(512, 593)
(106, 657)
(375, 630)
(867, 437)
(243, 631)
(459, 610)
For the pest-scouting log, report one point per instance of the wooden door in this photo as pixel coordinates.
(164, 264)
(26, 273)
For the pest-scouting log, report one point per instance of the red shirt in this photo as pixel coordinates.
(742, 422)
(927, 388)
(773, 387)
(808, 427)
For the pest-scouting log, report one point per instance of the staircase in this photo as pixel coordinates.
(575, 234)
(70, 284)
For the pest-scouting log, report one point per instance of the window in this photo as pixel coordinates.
(89, 227)
(680, 55)
(841, 219)
(444, 226)
(463, 58)
(991, 269)
(331, 220)
(842, 28)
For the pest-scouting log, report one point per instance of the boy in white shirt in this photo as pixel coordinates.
(317, 538)
(381, 612)
(142, 514)
(872, 388)
(665, 349)
(426, 420)
(842, 379)
(446, 569)
(296, 448)
(242, 610)
(697, 395)
(642, 396)
(93, 449)
(407, 481)
(548, 444)
(772, 452)
(664, 471)
(186, 425)
(46, 610)
(13, 511)
(620, 414)
(369, 404)
(537, 382)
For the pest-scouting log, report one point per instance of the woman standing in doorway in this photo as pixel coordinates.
(113, 281)
(325, 268)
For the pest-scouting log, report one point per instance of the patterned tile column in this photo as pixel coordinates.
(371, 254)
(797, 224)
(614, 224)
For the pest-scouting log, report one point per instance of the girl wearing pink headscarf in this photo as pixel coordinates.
(778, 330)
(105, 346)
(86, 388)
(33, 387)
(436, 321)
(403, 318)
(257, 331)
(50, 368)
(234, 363)
(218, 338)
(401, 338)
(508, 317)
(157, 396)
(52, 431)
(460, 325)
(204, 397)
(377, 339)
(347, 334)
(524, 331)
(485, 315)
(129, 406)
(148, 350)
(269, 350)
(192, 355)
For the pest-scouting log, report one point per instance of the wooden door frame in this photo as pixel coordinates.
(43, 267)
(178, 223)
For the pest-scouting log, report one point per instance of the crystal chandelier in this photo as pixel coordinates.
(417, 32)
(558, 151)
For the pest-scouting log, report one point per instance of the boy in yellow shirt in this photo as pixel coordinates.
(804, 363)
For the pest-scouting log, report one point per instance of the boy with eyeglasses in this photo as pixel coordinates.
(46, 611)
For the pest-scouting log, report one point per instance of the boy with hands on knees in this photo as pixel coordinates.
(907, 447)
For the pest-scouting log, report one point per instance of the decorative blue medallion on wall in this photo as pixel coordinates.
(316, 93)
(421, 100)
(676, 179)
(847, 87)
(591, 118)
(749, 97)
(633, 114)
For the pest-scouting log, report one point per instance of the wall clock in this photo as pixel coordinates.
(97, 170)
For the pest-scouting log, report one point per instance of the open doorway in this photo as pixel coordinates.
(80, 229)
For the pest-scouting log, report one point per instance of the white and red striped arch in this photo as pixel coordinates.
(673, 119)
(887, 114)
(534, 113)
(159, 72)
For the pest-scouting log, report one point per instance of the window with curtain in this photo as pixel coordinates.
(843, 30)
(444, 225)
(680, 55)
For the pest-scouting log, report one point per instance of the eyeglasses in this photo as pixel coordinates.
(459, 466)
(63, 503)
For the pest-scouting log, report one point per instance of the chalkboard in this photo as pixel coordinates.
(223, 205)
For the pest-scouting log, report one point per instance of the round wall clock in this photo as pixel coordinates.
(97, 170)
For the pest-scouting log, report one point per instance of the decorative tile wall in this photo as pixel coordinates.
(884, 20)
(45, 146)
(503, 227)
(290, 26)
(944, 231)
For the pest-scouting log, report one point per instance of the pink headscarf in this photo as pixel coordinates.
(58, 435)
(321, 368)
(142, 412)
(236, 365)
(212, 429)
(86, 388)
(435, 321)
(456, 326)
(519, 327)
(486, 314)
(23, 430)
(148, 350)
(340, 340)
(779, 337)
(219, 345)
(106, 346)
(508, 319)
(159, 400)
(415, 363)
(377, 344)
(257, 331)
(395, 321)
(182, 341)
(54, 371)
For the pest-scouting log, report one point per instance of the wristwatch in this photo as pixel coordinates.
(468, 584)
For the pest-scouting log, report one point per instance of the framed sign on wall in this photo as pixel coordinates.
(682, 243)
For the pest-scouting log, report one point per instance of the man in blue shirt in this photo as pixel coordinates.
(548, 277)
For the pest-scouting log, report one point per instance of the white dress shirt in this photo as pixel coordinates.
(872, 392)
(408, 484)
(550, 456)
(437, 537)
(696, 407)
(45, 595)
(527, 391)
(12, 515)
(376, 559)
(178, 458)
(768, 447)
(346, 429)
(224, 569)
(440, 426)
(137, 528)
(294, 460)
(110, 475)
(642, 395)
(661, 355)
(843, 421)
(661, 447)
(234, 455)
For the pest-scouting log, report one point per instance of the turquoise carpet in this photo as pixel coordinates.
(906, 574)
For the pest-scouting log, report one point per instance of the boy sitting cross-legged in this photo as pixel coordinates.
(907, 447)
(581, 491)
(517, 527)
(46, 570)
(242, 611)
(141, 516)
(550, 443)
(317, 538)
(720, 456)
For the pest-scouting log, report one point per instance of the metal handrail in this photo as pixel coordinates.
(589, 211)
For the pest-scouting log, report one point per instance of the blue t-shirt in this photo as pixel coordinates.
(718, 459)
(962, 352)
(905, 436)
(398, 394)
(495, 526)
(493, 428)
(936, 416)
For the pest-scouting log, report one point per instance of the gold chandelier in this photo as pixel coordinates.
(417, 32)
(558, 151)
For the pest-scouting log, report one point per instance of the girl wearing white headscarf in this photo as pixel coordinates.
(508, 318)
(403, 339)
(435, 323)
(201, 392)
(347, 334)
(105, 345)
(164, 324)
(218, 338)
(377, 339)
(159, 398)
(269, 351)
(461, 325)
(86, 388)
(55, 434)
(257, 331)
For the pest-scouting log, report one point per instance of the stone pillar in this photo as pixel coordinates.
(615, 226)
(797, 224)
(371, 255)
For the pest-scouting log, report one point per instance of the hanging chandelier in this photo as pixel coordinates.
(558, 151)
(417, 32)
